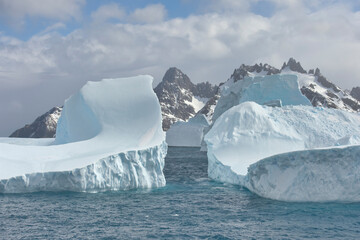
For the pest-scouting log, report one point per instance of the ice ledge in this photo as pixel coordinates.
(126, 170)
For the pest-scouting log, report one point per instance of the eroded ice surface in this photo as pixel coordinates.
(109, 136)
(249, 132)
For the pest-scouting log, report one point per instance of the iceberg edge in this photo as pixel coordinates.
(123, 171)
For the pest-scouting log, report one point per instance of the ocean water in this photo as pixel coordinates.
(191, 206)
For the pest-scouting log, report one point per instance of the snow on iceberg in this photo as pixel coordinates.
(248, 133)
(187, 134)
(109, 137)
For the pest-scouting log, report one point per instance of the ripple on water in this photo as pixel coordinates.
(190, 206)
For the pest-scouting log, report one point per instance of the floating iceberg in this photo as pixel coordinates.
(308, 139)
(187, 134)
(109, 137)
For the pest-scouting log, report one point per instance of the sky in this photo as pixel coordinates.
(50, 48)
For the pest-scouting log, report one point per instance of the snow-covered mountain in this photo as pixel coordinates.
(43, 126)
(180, 99)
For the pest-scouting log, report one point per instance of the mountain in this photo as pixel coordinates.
(355, 93)
(180, 99)
(43, 126)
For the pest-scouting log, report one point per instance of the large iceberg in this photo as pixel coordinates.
(109, 137)
(301, 149)
(187, 134)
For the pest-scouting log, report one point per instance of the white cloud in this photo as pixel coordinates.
(14, 12)
(237, 6)
(150, 14)
(109, 11)
(44, 70)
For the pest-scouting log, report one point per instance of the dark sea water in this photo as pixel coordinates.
(190, 207)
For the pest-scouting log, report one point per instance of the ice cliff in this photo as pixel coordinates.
(109, 137)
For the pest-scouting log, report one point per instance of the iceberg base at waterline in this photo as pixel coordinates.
(109, 137)
(291, 153)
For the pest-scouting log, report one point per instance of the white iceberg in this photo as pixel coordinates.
(187, 134)
(109, 137)
(248, 133)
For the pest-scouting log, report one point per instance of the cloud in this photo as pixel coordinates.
(41, 72)
(109, 11)
(14, 12)
(150, 14)
(237, 6)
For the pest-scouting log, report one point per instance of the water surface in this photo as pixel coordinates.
(190, 207)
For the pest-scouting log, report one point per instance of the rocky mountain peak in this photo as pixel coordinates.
(293, 65)
(179, 98)
(246, 70)
(175, 76)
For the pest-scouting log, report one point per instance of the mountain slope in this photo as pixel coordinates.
(43, 126)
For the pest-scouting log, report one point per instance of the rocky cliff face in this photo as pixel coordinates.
(180, 99)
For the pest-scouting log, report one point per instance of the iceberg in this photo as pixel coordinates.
(109, 137)
(277, 89)
(247, 141)
(187, 134)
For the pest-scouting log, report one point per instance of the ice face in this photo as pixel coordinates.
(283, 88)
(187, 134)
(248, 133)
(311, 175)
(104, 121)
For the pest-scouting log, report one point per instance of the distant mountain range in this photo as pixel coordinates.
(180, 99)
